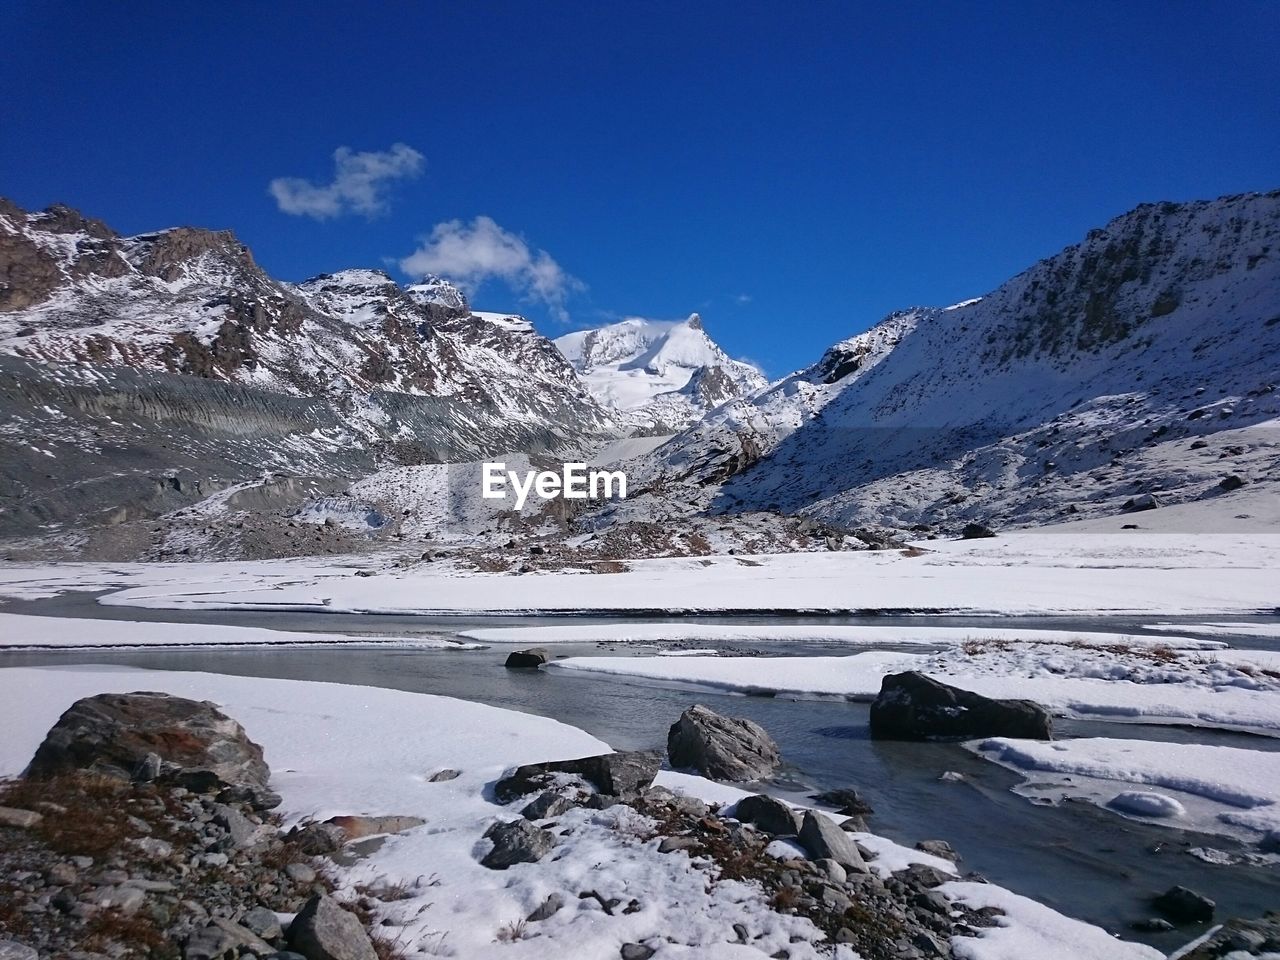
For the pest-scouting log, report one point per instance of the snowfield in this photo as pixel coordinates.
(358, 750)
(18, 632)
(1051, 571)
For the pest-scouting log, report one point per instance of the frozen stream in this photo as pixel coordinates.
(1083, 861)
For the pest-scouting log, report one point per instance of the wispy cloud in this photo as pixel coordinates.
(742, 298)
(360, 183)
(471, 253)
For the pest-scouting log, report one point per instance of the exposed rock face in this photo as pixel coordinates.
(723, 748)
(196, 744)
(516, 842)
(527, 659)
(613, 774)
(1238, 939)
(912, 706)
(325, 931)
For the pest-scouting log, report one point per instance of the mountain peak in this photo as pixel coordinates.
(438, 291)
(694, 322)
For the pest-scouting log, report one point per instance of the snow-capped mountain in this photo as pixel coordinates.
(1138, 367)
(659, 376)
(134, 357)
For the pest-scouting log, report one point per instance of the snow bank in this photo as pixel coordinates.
(1224, 790)
(19, 632)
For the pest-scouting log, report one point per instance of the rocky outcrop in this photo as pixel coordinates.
(518, 841)
(1238, 939)
(1185, 906)
(912, 706)
(621, 775)
(722, 748)
(154, 736)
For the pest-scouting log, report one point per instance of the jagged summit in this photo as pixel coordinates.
(436, 290)
(661, 374)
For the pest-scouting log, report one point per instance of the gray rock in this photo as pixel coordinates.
(722, 748)
(976, 531)
(548, 908)
(832, 870)
(323, 930)
(527, 659)
(1185, 906)
(518, 841)
(200, 747)
(938, 848)
(636, 951)
(1152, 925)
(318, 839)
(547, 805)
(300, 872)
(22, 819)
(672, 844)
(210, 942)
(768, 814)
(824, 840)
(243, 832)
(13, 950)
(847, 801)
(441, 776)
(262, 923)
(1232, 482)
(912, 706)
(615, 774)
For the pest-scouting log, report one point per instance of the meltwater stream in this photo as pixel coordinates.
(1085, 862)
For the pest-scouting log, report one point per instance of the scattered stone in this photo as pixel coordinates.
(1184, 906)
(722, 748)
(262, 923)
(1232, 482)
(200, 747)
(672, 844)
(22, 819)
(318, 839)
(912, 706)
(615, 774)
(770, 815)
(636, 951)
(323, 930)
(442, 775)
(548, 908)
(529, 659)
(13, 950)
(938, 848)
(300, 872)
(517, 841)
(824, 840)
(242, 831)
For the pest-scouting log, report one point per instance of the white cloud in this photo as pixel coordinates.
(471, 253)
(360, 183)
(743, 298)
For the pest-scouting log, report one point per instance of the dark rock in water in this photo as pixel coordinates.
(976, 531)
(770, 815)
(615, 774)
(824, 840)
(722, 748)
(323, 930)
(199, 747)
(912, 706)
(529, 659)
(1184, 906)
(516, 842)
(1152, 925)
(847, 801)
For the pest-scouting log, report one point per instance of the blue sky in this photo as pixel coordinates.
(791, 171)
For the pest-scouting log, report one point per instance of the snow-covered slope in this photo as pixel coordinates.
(1140, 361)
(660, 376)
(130, 359)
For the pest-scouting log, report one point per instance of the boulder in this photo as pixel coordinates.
(938, 848)
(1140, 503)
(1231, 482)
(323, 930)
(547, 805)
(224, 938)
(199, 747)
(22, 819)
(527, 659)
(767, 814)
(976, 531)
(1185, 906)
(518, 841)
(847, 801)
(824, 840)
(722, 748)
(912, 706)
(615, 774)
(547, 909)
